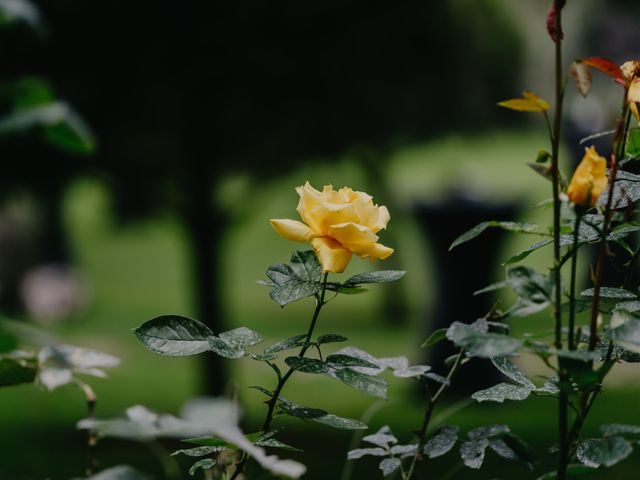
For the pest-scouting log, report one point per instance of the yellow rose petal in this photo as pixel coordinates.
(589, 180)
(633, 97)
(349, 234)
(377, 251)
(293, 230)
(332, 256)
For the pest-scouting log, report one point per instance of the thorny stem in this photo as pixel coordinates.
(92, 437)
(271, 403)
(619, 146)
(428, 412)
(557, 312)
(572, 286)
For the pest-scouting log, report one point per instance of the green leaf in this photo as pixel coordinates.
(273, 443)
(501, 392)
(306, 266)
(605, 451)
(442, 442)
(174, 336)
(481, 227)
(319, 416)
(488, 431)
(204, 464)
(241, 338)
(608, 292)
(287, 344)
(381, 276)
(342, 423)
(526, 252)
(222, 348)
(389, 465)
(533, 289)
(339, 360)
(627, 334)
(628, 306)
(331, 338)
(197, 451)
(619, 429)
(487, 345)
(371, 385)
(502, 449)
(435, 337)
(17, 371)
(472, 452)
(361, 452)
(384, 438)
(624, 230)
(307, 365)
(633, 143)
(208, 442)
(294, 290)
(510, 370)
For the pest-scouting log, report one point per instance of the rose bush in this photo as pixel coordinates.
(337, 224)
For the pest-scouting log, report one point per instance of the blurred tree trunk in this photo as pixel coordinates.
(205, 226)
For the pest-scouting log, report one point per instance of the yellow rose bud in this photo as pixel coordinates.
(337, 224)
(589, 180)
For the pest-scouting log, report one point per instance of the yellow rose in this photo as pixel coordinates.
(337, 224)
(589, 179)
(631, 73)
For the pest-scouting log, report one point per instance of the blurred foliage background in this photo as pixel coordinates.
(146, 146)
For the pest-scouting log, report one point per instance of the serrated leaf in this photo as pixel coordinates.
(273, 443)
(442, 442)
(472, 452)
(306, 266)
(294, 290)
(619, 429)
(341, 423)
(507, 368)
(339, 360)
(381, 276)
(502, 449)
(371, 385)
(389, 465)
(222, 348)
(487, 345)
(204, 464)
(361, 452)
(241, 338)
(280, 274)
(196, 451)
(15, 371)
(501, 392)
(608, 292)
(382, 438)
(603, 451)
(435, 337)
(307, 365)
(488, 431)
(481, 227)
(173, 335)
(331, 338)
(287, 344)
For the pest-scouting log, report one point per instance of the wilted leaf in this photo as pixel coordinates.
(529, 103)
(581, 76)
(606, 66)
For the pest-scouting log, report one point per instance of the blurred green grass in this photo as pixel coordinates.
(141, 271)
